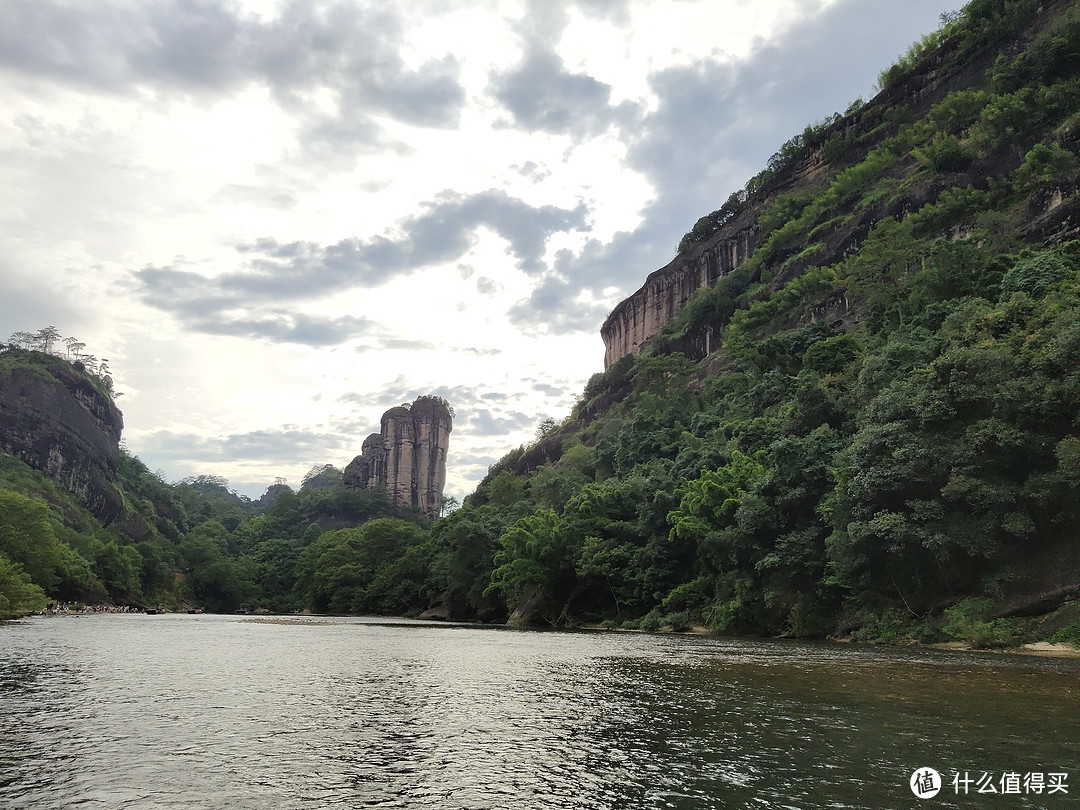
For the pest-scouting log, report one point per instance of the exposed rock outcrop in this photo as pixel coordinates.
(54, 418)
(639, 317)
(271, 495)
(643, 314)
(407, 458)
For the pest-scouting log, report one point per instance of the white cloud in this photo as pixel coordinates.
(279, 219)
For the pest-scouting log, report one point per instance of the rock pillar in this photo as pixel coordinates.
(407, 458)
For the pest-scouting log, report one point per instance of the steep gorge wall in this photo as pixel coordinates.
(407, 458)
(55, 420)
(642, 315)
(639, 317)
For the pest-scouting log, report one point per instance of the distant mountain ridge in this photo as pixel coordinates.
(82, 520)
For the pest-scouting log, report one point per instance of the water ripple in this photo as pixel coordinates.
(213, 712)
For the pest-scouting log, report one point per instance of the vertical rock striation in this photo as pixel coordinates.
(639, 317)
(407, 458)
(57, 421)
(433, 422)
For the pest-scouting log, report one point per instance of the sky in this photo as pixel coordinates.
(278, 220)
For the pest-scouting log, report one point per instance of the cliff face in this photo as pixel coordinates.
(641, 316)
(407, 458)
(54, 419)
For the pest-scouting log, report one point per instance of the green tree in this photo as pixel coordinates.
(45, 338)
(27, 538)
(18, 594)
(378, 567)
(117, 564)
(275, 561)
(465, 544)
(708, 504)
(534, 569)
(604, 521)
(216, 580)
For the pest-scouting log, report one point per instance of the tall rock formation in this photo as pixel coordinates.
(639, 317)
(55, 419)
(642, 315)
(407, 457)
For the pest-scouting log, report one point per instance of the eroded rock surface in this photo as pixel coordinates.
(639, 317)
(407, 457)
(57, 421)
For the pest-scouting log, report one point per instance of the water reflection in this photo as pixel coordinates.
(182, 711)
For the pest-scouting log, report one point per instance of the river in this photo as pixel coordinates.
(179, 711)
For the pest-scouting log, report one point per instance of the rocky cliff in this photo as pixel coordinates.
(664, 292)
(407, 458)
(841, 143)
(56, 419)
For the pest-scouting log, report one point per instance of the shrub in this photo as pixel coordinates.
(689, 596)
(651, 621)
(945, 153)
(1069, 634)
(680, 622)
(832, 354)
(723, 616)
(885, 628)
(809, 618)
(1033, 274)
(925, 632)
(707, 225)
(970, 621)
(958, 110)
(1046, 166)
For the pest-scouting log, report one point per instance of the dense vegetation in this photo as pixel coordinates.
(194, 543)
(887, 442)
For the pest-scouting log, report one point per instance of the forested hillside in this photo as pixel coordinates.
(880, 437)
(195, 543)
(889, 427)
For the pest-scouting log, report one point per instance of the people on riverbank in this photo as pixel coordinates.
(76, 608)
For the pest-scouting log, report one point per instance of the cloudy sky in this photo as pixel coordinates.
(279, 219)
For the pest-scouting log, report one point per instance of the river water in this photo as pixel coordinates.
(179, 711)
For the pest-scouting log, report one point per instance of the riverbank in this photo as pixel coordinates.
(1047, 649)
